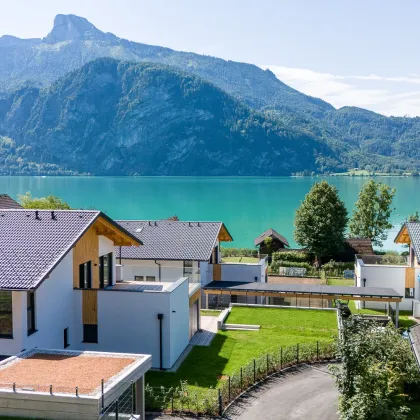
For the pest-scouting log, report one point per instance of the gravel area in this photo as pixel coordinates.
(64, 372)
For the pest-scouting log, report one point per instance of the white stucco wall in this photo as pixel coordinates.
(128, 323)
(170, 270)
(243, 272)
(383, 276)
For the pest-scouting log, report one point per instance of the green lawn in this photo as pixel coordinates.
(339, 281)
(205, 312)
(230, 350)
(240, 259)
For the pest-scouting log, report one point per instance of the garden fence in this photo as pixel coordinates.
(123, 407)
(214, 401)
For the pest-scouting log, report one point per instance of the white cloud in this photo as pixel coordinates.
(387, 95)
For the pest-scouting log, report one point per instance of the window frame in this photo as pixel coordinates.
(30, 309)
(109, 270)
(408, 295)
(85, 270)
(137, 278)
(187, 270)
(2, 312)
(149, 277)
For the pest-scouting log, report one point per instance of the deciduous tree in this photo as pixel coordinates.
(50, 202)
(373, 208)
(321, 220)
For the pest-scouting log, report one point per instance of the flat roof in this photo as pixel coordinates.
(141, 286)
(298, 288)
(37, 369)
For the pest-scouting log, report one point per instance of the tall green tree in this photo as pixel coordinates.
(50, 202)
(376, 365)
(321, 220)
(373, 209)
(415, 217)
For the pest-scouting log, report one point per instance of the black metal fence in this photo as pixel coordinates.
(123, 407)
(213, 401)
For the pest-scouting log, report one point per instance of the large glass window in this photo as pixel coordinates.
(85, 275)
(30, 312)
(105, 270)
(409, 293)
(6, 315)
(90, 333)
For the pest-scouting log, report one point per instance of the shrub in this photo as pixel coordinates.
(334, 266)
(239, 252)
(292, 256)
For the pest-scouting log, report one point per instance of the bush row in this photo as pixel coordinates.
(239, 252)
(293, 256)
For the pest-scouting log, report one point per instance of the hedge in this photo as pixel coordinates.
(292, 256)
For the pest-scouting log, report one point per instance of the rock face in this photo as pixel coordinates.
(120, 118)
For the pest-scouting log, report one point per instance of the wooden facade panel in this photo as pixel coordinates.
(90, 307)
(195, 296)
(87, 249)
(217, 272)
(409, 277)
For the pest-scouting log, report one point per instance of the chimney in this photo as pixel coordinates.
(53, 215)
(37, 215)
(155, 223)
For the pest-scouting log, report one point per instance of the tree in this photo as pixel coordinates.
(377, 363)
(373, 208)
(321, 220)
(415, 217)
(50, 202)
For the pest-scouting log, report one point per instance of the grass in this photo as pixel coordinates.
(249, 260)
(230, 350)
(339, 281)
(414, 413)
(205, 312)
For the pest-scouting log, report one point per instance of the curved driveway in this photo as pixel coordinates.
(304, 393)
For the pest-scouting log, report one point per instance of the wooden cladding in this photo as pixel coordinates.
(217, 272)
(90, 307)
(410, 278)
(224, 235)
(195, 296)
(87, 249)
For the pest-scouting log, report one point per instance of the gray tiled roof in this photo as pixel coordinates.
(170, 240)
(7, 202)
(414, 232)
(30, 247)
(272, 233)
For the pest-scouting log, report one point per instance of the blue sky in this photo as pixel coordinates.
(361, 53)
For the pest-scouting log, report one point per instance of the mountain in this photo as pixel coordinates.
(74, 41)
(120, 118)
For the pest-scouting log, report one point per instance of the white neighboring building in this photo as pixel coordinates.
(59, 288)
(404, 279)
(174, 249)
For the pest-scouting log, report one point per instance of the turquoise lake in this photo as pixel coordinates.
(247, 205)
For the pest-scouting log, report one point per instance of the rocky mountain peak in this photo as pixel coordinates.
(72, 27)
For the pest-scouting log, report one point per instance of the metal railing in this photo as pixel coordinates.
(123, 407)
(214, 401)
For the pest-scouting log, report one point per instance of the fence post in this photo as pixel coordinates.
(77, 391)
(116, 409)
(229, 389)
(220, 403)
(281, 358)
(241, 379)
(102, 396)
(297, 353)
(317, 350)
(254, 372)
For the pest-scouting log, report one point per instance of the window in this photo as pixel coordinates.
(409, 293)
(188, 268)
(150, 278)
(66, 338)
(139, 278)
(6, 315)
(105, 270)
(234, 299)
(90, 333)
(85, 275)
(30, 312)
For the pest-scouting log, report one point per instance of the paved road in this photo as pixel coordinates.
(304, 393)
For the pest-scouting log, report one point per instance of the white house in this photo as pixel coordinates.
(370, 271)
(59, 288)
(174, 248)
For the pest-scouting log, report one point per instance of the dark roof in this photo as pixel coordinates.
(413, 229)
(270, 233)
(171, 240)
(303, 288)
(360, 245)
(31, 247)
(7, 202)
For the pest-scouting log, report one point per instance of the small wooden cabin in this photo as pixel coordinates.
(279, 242)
